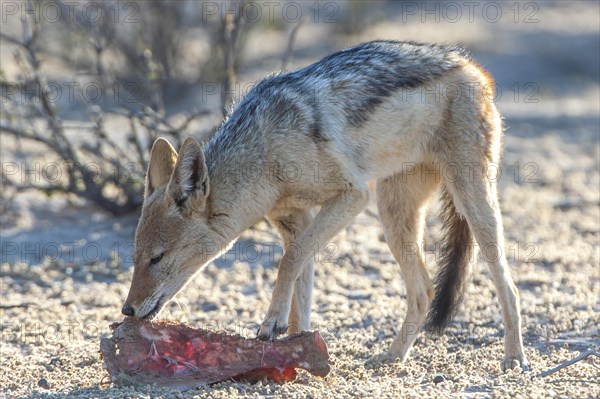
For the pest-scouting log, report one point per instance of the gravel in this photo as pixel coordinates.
(54, 311)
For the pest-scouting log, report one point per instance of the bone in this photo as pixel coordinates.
(181, 357)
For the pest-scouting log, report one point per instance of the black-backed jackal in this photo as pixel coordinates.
(382, 110)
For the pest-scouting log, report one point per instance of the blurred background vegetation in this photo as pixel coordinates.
(149, 68)
(86, 86)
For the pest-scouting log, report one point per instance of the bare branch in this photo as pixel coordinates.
(285, 62)
(35, 117)
(11, 39)
(48, 189)
(231, 31)
(581, 356)
(19, 133)
(134, 139)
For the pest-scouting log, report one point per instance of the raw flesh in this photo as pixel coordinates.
(178, 356)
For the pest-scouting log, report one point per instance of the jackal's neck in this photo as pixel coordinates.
(240, 191)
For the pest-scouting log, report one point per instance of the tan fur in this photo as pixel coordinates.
(191, 215)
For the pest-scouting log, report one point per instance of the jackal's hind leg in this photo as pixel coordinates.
(477, 200)
(402, 200)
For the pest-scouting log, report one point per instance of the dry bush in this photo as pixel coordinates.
(131, 64)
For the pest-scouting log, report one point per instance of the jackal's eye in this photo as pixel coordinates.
(156, 259)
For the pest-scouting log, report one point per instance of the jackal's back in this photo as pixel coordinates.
(349, 106)
(348, 85)
(360, 78)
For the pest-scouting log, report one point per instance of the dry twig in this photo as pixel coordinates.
(285, 62)
(581, 356)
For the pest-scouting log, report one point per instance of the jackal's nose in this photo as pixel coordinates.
(127, 310)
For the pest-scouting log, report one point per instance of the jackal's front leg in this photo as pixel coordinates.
(334, 215)
(290, 224)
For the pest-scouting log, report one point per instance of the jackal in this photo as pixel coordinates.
(384, 110)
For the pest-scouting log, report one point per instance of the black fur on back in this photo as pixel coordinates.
(453, 267)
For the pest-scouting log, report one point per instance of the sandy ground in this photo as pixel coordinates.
(65, 267)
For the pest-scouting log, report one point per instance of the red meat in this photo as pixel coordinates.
(178, 356)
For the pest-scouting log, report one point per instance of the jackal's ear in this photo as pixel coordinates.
(160, 168)
(189, 182)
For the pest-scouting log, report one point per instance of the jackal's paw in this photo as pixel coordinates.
(510, 363)
(382, 358)
(271, 328)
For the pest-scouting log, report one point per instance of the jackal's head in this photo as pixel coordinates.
(172, 228)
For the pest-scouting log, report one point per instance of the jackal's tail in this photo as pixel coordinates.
(454, 266)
